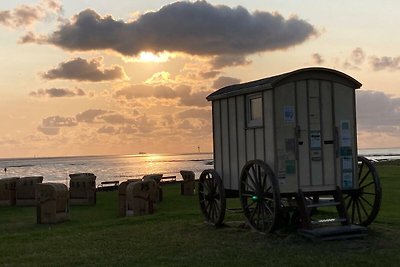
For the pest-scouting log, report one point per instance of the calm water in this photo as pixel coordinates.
(110, 168)
(106, 168)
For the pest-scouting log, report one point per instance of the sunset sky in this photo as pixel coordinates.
(118, 77)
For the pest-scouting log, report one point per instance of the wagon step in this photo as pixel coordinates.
(324, 204)
(335, 232)
(327, 221)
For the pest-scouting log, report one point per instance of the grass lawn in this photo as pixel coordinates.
(176, 236)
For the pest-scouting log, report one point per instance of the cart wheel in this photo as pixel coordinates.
(212, 197)
(259, 196)
(363, 204)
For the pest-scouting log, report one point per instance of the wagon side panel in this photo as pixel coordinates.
(269, 143)
(241, 133)
(217, 138)
(328, 134)
(225, 138)
(233, 144)
(284, 100)
(303, 134)
(346, 132)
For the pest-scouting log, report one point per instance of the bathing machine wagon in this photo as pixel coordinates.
(285, 146)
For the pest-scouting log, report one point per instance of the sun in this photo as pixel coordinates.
(153, 57)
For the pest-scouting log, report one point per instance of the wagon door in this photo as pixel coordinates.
(315, 135)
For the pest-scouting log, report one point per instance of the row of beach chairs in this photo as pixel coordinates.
(52, 200)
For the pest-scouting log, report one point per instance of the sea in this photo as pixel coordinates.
(123, 167)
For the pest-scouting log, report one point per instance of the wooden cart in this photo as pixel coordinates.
(287, 145)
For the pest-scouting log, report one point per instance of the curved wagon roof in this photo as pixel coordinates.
(297, 75)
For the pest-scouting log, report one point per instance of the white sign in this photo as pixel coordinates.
(315, 139)
(345, 133)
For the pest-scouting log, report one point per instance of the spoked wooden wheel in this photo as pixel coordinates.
(363, 204)
(259, 196)
(212, 197)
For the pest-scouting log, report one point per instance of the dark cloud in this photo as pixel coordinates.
(51, 125)
(58, 121)
(184, 94)
(358, 56)
(388, 63)
(90, 115)
(317, 59)
(107, 130)
(84, 70)
(190, 98)
(26, 15)
(224, 81)
(146, 125)
(143, 91)
(378, 112)
(49, 130)
(57, 92)
(209, 74)
(191, 27)
(116, 119)
(219, 62)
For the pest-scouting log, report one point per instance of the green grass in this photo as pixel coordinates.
(176, 236)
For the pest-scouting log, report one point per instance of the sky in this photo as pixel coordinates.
(120, 77)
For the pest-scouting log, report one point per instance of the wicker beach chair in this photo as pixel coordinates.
(82, 189)
(52, 203)
(188, 184)
(7, 191)
(26, 190)
(140, 197)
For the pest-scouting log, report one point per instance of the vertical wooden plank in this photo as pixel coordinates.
(241, 128)
(269, 145)
(259, 141)
(345, 116)
(315, 131)
(285, 137)
(217, 136)
(250, 147)
(233, 145)
(225, 142)
(303, 138)
(328, 129)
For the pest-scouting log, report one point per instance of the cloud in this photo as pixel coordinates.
(378, 112)
(194, 113)
(358, 56)
(84, 70)
(49, 130)
(116, 119)
(51, 125)
(190, 98)
(144, 91)
(26, 15)
(196, 28)
(58, 121)
(219, 62)
(209, 74)
(107, 130)
(389, 63)
(224, 81)
(184, 94)
(317, 59)
(90, 115)
(57, 92)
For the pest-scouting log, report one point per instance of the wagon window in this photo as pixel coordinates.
(254, 110)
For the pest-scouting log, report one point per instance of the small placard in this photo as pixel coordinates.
(347, 180)
(315, 139)
(347, 163)
(288, 114)
(290, 167)
(345, 133)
